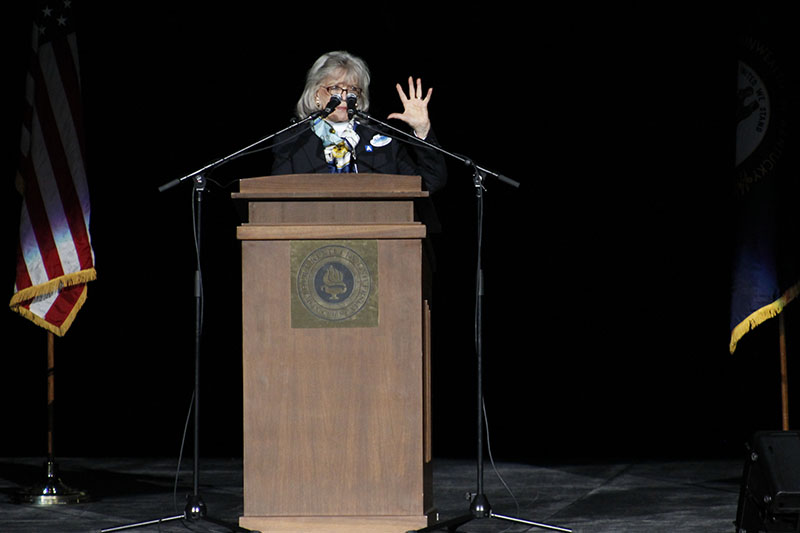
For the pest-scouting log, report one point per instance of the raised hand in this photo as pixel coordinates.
(415, 107)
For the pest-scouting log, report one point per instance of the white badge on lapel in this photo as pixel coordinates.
(378, 141)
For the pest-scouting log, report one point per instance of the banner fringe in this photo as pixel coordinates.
(54, 285)
(761, 315)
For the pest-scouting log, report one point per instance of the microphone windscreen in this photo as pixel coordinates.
(333, 103)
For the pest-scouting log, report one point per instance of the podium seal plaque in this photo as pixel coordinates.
(334, 284)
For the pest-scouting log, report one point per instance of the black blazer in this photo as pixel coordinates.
(303, 154)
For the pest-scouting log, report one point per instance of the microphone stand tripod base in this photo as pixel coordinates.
(480, 510)
(52, 491)
(195, 507)
(195, 510)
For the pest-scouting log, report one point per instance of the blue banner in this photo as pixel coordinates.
(766, 273)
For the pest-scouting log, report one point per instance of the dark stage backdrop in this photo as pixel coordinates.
(606, 327)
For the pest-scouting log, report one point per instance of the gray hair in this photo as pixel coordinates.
(325, 67)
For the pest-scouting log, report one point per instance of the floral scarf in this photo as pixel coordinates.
(339, 148)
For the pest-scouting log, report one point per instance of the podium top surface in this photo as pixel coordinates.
(320, 186)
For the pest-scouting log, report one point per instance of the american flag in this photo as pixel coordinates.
(55, 258)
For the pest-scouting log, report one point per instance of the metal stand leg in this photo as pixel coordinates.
(480, 507)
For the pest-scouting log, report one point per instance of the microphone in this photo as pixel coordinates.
(352, 99)
(333, 103)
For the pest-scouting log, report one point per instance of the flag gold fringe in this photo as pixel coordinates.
(761, 315)
(54, 285)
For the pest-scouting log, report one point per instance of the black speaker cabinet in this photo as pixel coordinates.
(769, 499)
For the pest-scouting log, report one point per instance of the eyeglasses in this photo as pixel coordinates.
(335, 90)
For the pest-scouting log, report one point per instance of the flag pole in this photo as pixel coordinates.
(51, 396)
(52, 490)
(784, 373)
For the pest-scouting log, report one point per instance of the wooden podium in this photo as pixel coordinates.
(336, 355)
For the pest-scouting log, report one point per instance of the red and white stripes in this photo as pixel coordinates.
(55, 255)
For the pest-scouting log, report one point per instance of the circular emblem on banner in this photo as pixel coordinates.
(763, 110)
(754, 112)
(334, 283)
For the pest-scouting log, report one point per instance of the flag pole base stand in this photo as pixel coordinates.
(52, 491)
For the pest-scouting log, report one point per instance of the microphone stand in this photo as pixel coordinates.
(195, 506)
(480, 508)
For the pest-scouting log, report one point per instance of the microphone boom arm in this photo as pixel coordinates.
(239, 152)
(466, 161)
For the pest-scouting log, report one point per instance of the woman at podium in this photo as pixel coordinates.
(336, 90)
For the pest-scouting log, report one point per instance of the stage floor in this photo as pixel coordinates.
(686, 496)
